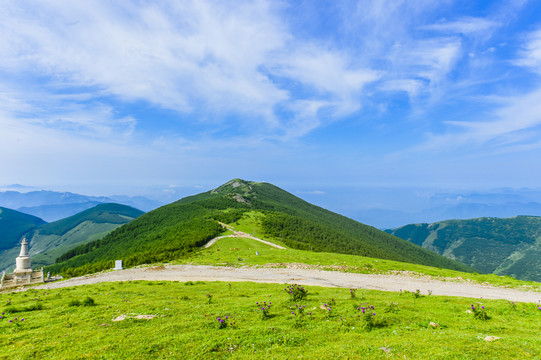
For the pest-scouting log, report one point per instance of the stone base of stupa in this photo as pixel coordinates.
(23, 272)
(21, 278)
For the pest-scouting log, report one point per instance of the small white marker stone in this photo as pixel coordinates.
(118, 265)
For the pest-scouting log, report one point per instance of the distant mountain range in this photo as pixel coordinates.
(51, 206)
(47, 241)
(385, 219)
(510, 246)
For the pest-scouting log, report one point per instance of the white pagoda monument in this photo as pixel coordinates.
(23, 273)
(23, 261)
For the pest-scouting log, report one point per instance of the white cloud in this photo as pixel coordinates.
(465, 25)
(434, 58)
(174, 56)
(205, 58)
(531, 52)
(329, 74)
(41, 109)
(421, 67)
(511, 127)
(410, 86)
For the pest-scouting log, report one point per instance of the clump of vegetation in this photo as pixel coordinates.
(224, 322)
(299, 310)
(264, 308)
(416, 294)
(297, 292)
(88, 301)
(479, 312)
(328, 310)
(367, 315)
(14, 309)
(74, 302)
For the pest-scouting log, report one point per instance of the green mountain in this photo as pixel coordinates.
(49, 240)
(13, 225)
(510, 246)
(175, 230)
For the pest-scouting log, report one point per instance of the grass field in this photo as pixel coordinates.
(57, 324)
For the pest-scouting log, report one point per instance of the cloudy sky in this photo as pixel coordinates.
(103, 97)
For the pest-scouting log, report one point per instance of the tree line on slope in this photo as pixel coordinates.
(153, 237)
(304, 234)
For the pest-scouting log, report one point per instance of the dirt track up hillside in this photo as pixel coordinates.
(305, 277)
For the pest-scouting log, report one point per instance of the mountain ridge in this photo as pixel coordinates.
(179, 228)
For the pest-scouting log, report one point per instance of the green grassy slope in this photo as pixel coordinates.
(13, 225)
(182, 323)
(510, 246)
(175, 230)
(49, 241)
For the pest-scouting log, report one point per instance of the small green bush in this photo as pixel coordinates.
(74, 302)
(88, 301)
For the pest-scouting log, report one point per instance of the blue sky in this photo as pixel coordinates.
(103, 97)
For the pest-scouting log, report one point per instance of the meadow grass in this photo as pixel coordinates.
(186, 324)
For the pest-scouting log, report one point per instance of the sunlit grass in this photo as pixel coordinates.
(185, 324)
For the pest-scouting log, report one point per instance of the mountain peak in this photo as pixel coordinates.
(235, 186)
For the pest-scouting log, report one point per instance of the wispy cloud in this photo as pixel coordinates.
(514, 125)
(465, 25)
(530, 55)
(184, 56)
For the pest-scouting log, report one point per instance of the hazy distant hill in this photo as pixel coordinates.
(52, 206)
(502, 203)
(177, 229)
(56, 212)
(510, 246)
(48, 241)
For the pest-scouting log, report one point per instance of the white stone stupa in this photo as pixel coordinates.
(23, 261)
(23, 273)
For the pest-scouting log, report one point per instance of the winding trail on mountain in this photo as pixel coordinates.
(240, 234)
(310, 277)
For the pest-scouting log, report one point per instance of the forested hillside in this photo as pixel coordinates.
(175, 230)
(13, 225)
(510, 246)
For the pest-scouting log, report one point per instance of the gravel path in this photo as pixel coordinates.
(240, 234)
(304, 277)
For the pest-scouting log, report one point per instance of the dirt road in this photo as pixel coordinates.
(240, 234)
(304, 277)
